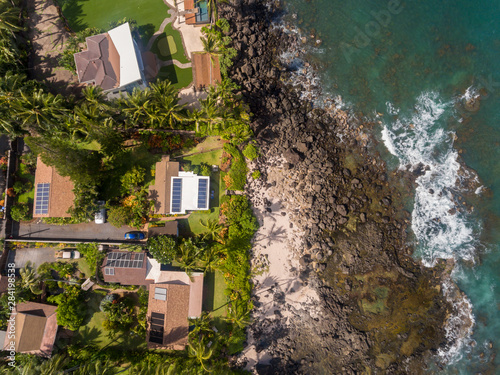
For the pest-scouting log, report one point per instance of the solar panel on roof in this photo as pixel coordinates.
(125, 260)
(176, 194)
(202, 193)
(42, 199)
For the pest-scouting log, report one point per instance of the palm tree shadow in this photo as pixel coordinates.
(89, 335)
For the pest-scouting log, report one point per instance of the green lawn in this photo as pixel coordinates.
(168, 46)
(211, 158)
(81, 14)
(180, 78)
(84, 268)
(214, 299)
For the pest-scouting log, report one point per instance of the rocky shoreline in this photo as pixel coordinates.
(379, 310)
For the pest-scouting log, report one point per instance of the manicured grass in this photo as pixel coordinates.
(194, 220)
(168, 46)
(84, 268)
(211, 158)
(81, 14)
(214, 299)
(207, 144)
(180, 78)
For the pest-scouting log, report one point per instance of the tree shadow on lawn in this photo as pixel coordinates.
(73, 12)
(168, 72)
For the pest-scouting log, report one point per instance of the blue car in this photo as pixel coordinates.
(134, 236)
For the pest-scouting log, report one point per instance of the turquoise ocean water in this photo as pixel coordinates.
(411, 66)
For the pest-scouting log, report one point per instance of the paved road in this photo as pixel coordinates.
(87, 231)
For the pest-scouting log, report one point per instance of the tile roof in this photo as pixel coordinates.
(175, 310)
(160, 191)
(35, 328)
(61, 194)
(100, 63)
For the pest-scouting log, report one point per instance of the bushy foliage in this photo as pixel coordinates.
(92, 255)
(163, 248)
(22, 187)
(20, 212)
(226, 54)
(256, 174)
(119, 216)
(251, 152)
(238, 171)
(133, 179)
(70, 307)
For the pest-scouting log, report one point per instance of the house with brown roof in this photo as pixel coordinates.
(206, 70)
(53, 192)
(167, 316)
(125, 268)
(34, 327)
(112, 61)
(176, 192)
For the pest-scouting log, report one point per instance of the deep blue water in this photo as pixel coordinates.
(411, 66)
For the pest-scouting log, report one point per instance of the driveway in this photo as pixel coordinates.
(73, 232)
(36, 256)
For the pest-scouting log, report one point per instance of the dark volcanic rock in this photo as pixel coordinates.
(381, 310)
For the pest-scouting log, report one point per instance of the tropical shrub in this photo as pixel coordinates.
(92, 255)
(251, 152)
(256, 174)
(70, 307)
(163, 248)
(20, 212)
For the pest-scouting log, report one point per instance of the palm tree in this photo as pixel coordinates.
(154, 369)
(213, 229)
(97, 368)
(166, 100)
(201, 325)
(188, 255)
(211, 45)
(239, 315)
(9, 18)
(29, 279)
(198, 117)
(198, 349)
(39, 112)
(54, 365)
(211, 112)
(137, 105)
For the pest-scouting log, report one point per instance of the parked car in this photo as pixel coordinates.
(134, 236)
(68, 254)
(100, 216)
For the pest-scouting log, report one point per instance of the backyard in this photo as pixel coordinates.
(149, 14)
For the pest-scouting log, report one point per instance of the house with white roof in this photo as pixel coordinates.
(176, 192)
(112, 61)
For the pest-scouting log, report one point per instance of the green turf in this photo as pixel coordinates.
(179, 77)
(167, 46)
(162, 46)
(81, 14)
(84, 267)
(211, 158)
(214, 299)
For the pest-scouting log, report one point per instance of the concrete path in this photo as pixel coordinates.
(176, 63)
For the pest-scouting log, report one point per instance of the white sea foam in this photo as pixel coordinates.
(419, 140)
(470, 93)
(442, 229)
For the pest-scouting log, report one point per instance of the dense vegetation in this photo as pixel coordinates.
(108, 148)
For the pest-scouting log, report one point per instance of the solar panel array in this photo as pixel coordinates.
(202, 193)
(176, 194)
(125, 260)
(156, 328)
(42, 199)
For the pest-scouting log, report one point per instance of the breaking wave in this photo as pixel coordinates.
(442, 227)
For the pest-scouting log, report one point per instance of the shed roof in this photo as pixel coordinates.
(206, 70)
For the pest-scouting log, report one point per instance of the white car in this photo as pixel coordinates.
(100, 216)
(68, 254)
